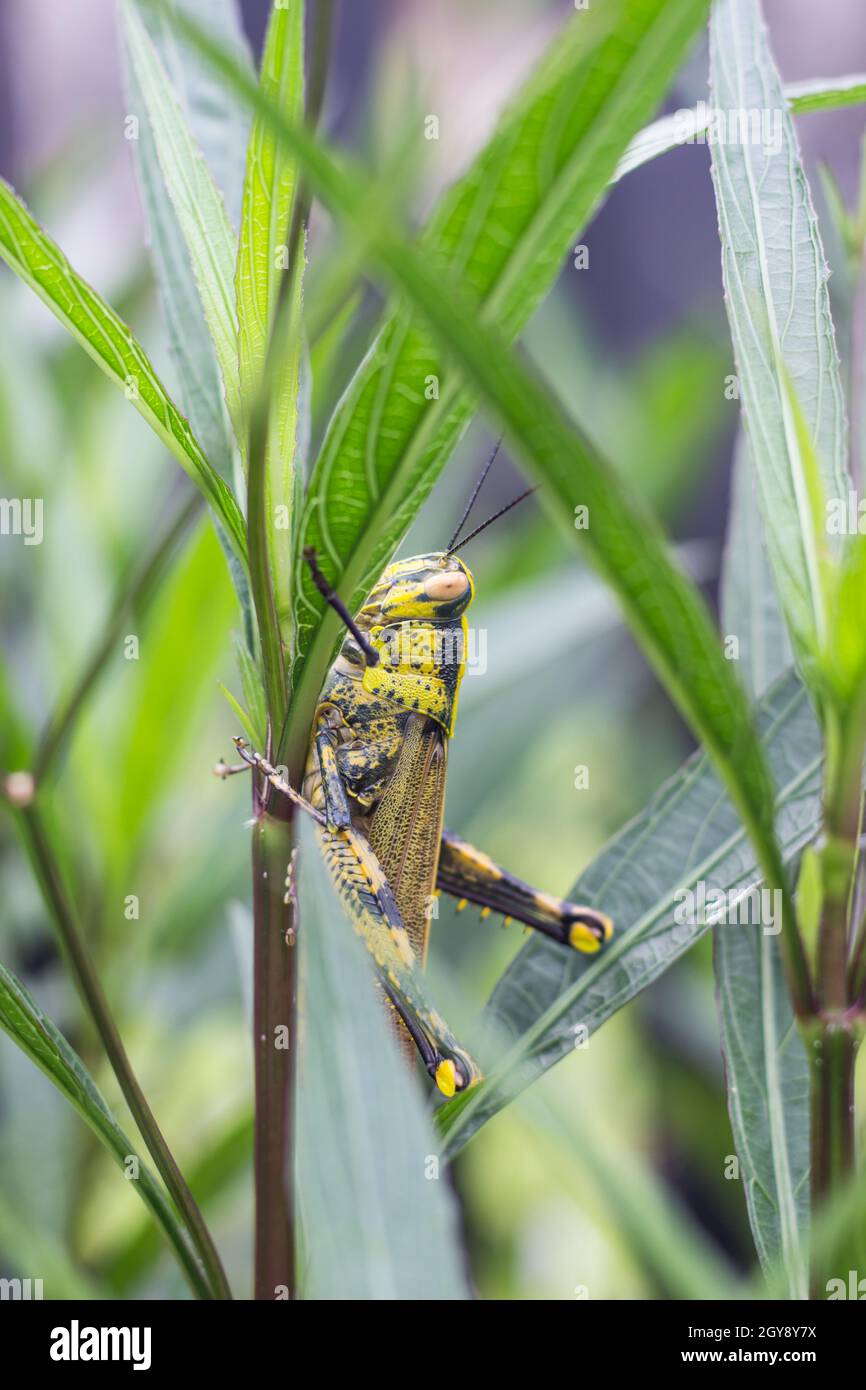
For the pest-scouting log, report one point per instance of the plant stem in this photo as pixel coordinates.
(275, 1024)
(831, 1037)
(832, 1054)
(857, 973)
(843, 801)
(857, 363)
(84, 974)
(275, 960)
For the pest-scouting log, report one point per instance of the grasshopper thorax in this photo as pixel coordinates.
(415, 620)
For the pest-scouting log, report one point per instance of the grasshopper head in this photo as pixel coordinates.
(425, 588)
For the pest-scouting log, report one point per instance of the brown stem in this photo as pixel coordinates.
(832, 1036)
(275, 959)
(832, 1055)
(275, 1035)
(857, 364)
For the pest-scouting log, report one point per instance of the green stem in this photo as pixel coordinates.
(84, 974)
(275, 1023)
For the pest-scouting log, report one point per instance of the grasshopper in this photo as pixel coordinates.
(375, 785)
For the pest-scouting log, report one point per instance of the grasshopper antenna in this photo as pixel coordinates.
(475, 491)
(490, 520)
(330, 596)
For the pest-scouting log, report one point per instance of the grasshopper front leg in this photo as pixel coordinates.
(470, 875)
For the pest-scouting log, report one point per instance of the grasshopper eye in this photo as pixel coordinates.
(450, 584)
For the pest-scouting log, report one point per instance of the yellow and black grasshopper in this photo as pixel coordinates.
(375, 784)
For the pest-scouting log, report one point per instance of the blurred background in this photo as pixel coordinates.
(637, 345)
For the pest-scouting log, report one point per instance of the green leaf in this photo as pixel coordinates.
(504, 229)
(691, 123)
(749, 606)
(270, 187)
(218, 121)
(254, 693)
(826, 93)
(767, 1082)
(766, 1071)
(29, 1028)
(40, 263)
(379, 1219)
(779, 310)
(688, 834)
(197, 202)
(270, 191)
(246, 723)
(221, 130)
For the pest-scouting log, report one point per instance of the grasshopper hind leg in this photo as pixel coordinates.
(372, 909)
(468, 874)
(451, 1074)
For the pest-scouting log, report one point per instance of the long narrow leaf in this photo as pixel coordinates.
(270, 191)
(218, 122)
(220, 127)
(197, 202)
(766, 1071)
(750, 609)
(687, 125)
(29, 1028)
(779, 311)
(688, 835)
(38, 261)
(379, 1218)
